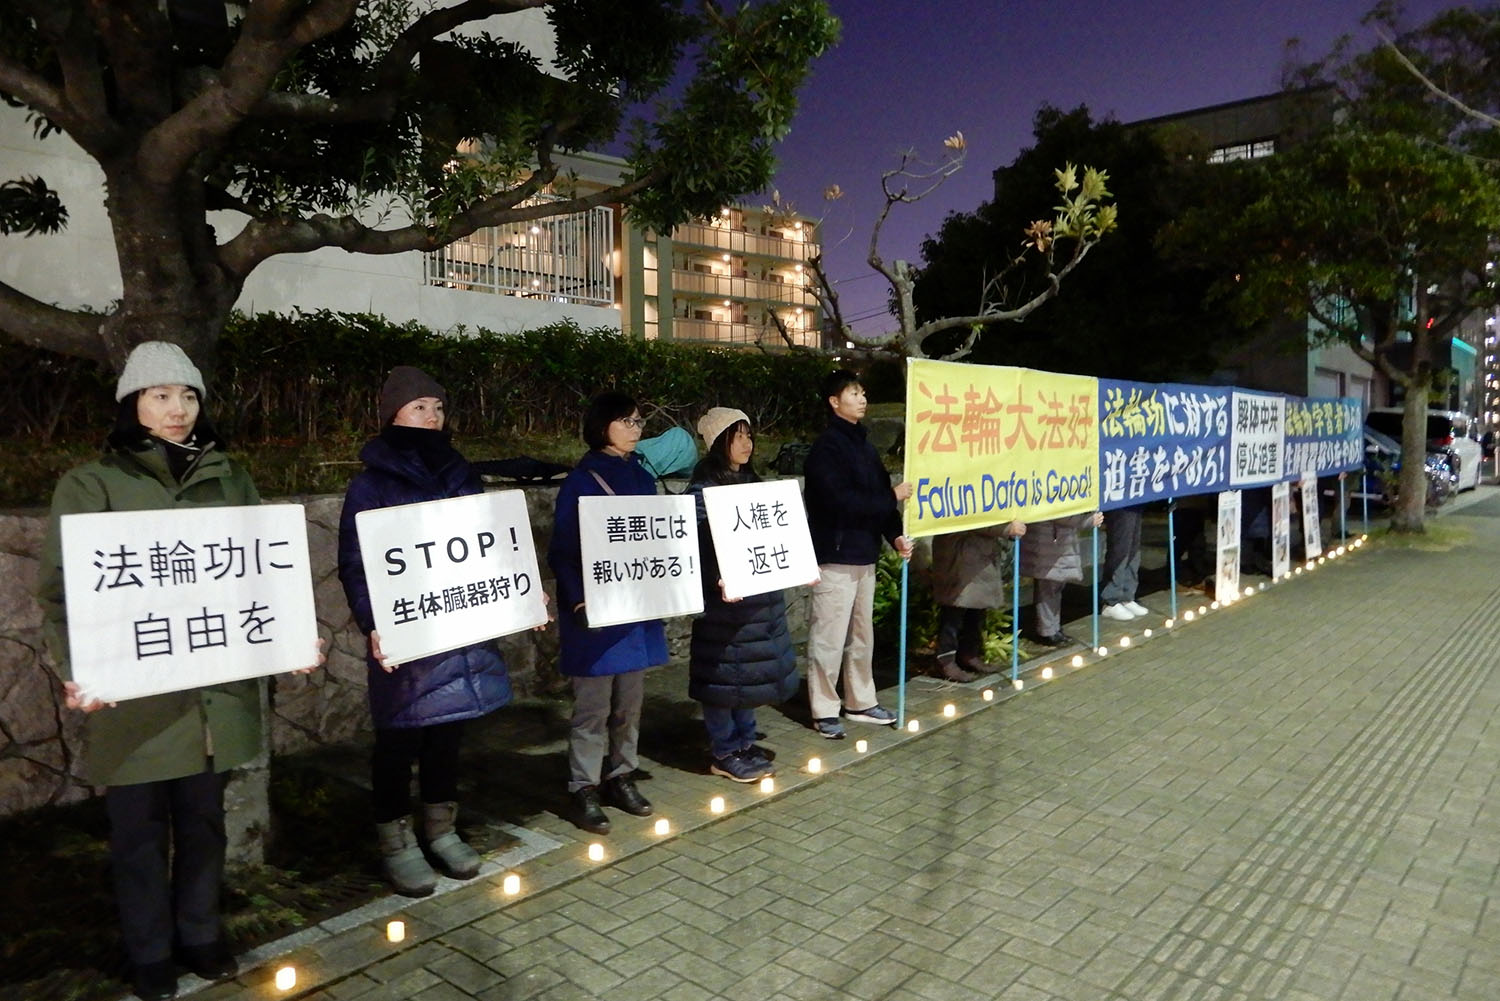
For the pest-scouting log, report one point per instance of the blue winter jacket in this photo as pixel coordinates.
(585, 652)
(741, 654)
(459, 684)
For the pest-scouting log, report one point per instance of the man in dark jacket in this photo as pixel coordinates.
(851, 506)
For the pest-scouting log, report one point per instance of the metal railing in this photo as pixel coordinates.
(561, 257)
(717, 331)
(728, 286)
(738, 242)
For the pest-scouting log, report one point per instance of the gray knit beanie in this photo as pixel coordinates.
(403, 385)
(157, 363)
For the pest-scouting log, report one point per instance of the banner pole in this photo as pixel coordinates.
(1096, 587)
(1172, 553)
(1015, 609)
(901, 676)
(1364, 499)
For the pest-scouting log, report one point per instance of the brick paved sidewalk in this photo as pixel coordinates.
(1293, 798)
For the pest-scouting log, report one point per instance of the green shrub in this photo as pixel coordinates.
(295, 395)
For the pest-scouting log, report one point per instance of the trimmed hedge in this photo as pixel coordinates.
(304, 376)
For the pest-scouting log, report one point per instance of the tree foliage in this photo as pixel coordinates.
(1132, 313)
(337, 123)
(1382, 239)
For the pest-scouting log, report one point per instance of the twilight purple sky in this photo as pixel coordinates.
(910, 74)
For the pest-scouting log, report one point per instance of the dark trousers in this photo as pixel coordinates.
(433, 749)
(959, 630)
(150, 823)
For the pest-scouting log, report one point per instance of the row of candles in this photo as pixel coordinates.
(510, 884)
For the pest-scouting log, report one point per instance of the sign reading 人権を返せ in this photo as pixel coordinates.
(760, 537)
(163, 601)
(444, 574)
(1161, 440)
(987, 444)
(640, 558)
(1256, 437)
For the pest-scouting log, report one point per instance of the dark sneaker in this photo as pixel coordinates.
(213, 961)
(155, 981)
(879, 715)
(1055, 640)
(622, 794)
(741, 766)
(587, 813)
(830, 728)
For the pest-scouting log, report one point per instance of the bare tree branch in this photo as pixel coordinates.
(1440, 93)
(40, 325)
(262, 239)
(30, 89)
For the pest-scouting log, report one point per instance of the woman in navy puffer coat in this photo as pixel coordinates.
(418, 707)
(741, 654)
(606, 664)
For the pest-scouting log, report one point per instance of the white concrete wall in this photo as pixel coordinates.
(78, 267)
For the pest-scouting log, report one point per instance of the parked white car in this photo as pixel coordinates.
(1450, 431)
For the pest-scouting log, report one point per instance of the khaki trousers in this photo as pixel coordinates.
(841, 634)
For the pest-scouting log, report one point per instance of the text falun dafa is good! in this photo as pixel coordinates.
(988, 444)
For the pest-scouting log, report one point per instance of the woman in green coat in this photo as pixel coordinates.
(162, 758)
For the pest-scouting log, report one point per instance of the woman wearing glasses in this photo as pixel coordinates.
(606, 665)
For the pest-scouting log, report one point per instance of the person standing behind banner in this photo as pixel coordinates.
(851, 506)
(162, 759)
(741, 654)
(968, 578)
(606, 665)
(1120, 576)
(1050, 557)
(419, 707)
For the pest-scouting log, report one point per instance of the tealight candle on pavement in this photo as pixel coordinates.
(912, 726)
(950, 709)
(596, 852)
(814, 765)
(861, 746)
(1046, 674)
(767, 784)
(663, 826)
(395, 931)
(988, 695)
(1018, 684)
(1124, 641)
(716, 805)
(286, 978)
(511, 885)
(1077, 660)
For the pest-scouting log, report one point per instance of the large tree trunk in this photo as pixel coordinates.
(1411, 489)
(174, 288)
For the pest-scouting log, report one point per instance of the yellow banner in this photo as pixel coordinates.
(988, 444)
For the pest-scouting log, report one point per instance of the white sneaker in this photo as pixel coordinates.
(1137, 608)
(1119, 613)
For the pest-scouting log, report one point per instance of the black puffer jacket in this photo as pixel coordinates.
(741, 654)
(850, 506)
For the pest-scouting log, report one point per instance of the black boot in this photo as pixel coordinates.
(947, 667)
(620, 792)
(587, 813)
(213, 961)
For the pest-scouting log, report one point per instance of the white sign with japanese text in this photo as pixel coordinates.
(1312, 535)
(640, 558)
(168, 600)
(1281, 530)
(1257, 437)
(1227, 573)
(448, 573)
(760, 537)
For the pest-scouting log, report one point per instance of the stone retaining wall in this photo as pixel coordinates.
(40, 740)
